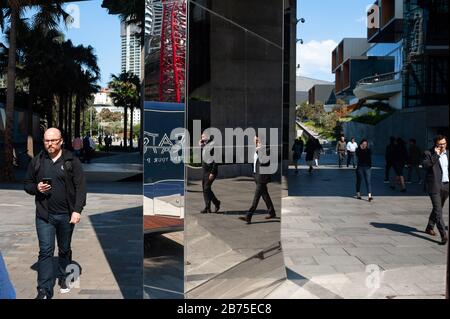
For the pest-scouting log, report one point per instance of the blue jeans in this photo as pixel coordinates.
(57, 226)
(363, 173)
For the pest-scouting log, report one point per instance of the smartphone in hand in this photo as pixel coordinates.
(47, 180)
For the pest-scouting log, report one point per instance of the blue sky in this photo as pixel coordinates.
(94, 26)
(100, 30)
(327, 23)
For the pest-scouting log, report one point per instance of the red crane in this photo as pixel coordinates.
(173, 51)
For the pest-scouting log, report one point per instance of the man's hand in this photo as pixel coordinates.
(438, 150)
(75, 219)
(42, 188)
(211, 177)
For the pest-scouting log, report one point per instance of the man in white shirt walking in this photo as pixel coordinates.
(352, 146)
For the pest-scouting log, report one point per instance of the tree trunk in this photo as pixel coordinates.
(10, 94)
(66, 116)
(131, 128)
(61, 112)
(77, 115)
(83, 127)
(70, 118)
(49, 116)
(125, 127)
(30, 140)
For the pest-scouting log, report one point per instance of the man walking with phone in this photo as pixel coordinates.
(210, 170)
(55, 177)
(436, 183)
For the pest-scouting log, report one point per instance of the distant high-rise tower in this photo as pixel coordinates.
(131, 49)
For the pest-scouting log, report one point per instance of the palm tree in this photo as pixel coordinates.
(126, 93)
(132, 12)
(47, 16)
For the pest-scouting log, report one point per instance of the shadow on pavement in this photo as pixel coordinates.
(120, 236)
(404, 230)
(163, 268)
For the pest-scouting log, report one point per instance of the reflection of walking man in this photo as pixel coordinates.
(56, 179)
(436, 184)
(352, 146)
(341, 148)
(261, 181)
(210, 169)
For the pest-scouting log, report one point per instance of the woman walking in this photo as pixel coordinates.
(363, 169)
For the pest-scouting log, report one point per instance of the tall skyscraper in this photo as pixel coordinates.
(131, 49)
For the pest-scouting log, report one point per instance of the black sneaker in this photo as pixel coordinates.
(63, 288)
(217, 207)
(41, 294)
(206, 211)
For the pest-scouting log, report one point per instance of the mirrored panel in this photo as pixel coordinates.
(233, 175)
(165, 54)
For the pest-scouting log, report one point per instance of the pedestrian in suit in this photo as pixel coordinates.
(261, 181)
(297, 148)
(364, 169)
(436, 185)
(310, 150)
(210, 171)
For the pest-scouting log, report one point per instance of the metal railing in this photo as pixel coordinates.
(379, 78)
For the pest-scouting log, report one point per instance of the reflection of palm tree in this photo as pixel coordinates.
(126, 93)
(47, 17)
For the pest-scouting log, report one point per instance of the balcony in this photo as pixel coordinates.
(379, 87)
(390, 18)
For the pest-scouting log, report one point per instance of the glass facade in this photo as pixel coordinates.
(235, 82)
(389, 49)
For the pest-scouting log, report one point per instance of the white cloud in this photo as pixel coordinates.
(314, 58)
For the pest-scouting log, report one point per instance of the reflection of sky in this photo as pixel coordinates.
(389, 49)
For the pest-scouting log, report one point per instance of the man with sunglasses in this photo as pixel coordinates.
(55, 177)
(436, 183)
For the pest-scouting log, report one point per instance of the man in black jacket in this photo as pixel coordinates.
(436, 184)
(210, 170)
(261, 181)
(56, 179)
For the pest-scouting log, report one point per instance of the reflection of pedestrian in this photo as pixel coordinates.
(341, 148)
(297, 148)
(261, 181)
(389, 158)
(400, 158)
(415, 158)
(210, 170)
(318, 149)
(310, 149)
(87, 150)
(56, 179)
(364, 169)
(436, 184)
(352, 146)
(77, 145)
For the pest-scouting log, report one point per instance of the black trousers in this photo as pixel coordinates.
(341, 156)
(350, 158)
(387, 169)
(208, 194)
(436, 218)
(261, 191)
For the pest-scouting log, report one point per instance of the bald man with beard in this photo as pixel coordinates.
(55, 177)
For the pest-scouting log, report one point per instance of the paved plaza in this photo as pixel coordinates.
(336, 246)
(107, 244)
